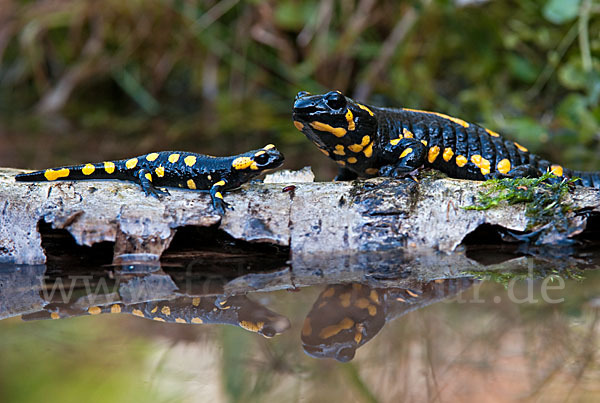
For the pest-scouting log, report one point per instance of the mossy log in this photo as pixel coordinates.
(314, 218)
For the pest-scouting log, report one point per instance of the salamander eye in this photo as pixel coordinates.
(335, 100)
(261, 159)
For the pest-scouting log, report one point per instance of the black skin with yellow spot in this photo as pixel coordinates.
(405, 140)
(173, 169)
(236, 310)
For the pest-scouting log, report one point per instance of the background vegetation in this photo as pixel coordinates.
(82, 80)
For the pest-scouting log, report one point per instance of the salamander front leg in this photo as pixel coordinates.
(411, 157)
(217, 197)
(145, 178)
(344, 174)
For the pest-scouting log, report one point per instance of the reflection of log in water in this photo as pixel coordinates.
(345, 317)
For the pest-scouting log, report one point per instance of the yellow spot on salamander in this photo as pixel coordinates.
(336, 131)
(253, 327)
(365, 140)
(352, 160)
(339, 150)
(243, 163)
(154, 310)
(115, 308)
(342, 163)
(372, 171)
(191, 184)
(520, 147)
(197, 320)
(485, 166)
(261, 152)
(190, 160)
(148, 176)
(158, 319)
(332, 330)
(406, 152)
(557, 170)
(137, 312)
(298, 125)
(476, 159)
(160, 171)
(165, 310)
(196, 301)
(355, 148)
(180, 320)
(395, 142)
(53, 175)
(374, 296)
(220, 183)
(504, 166)
(268, 147)
(492, 133)
(173, 158)
(94, 310)
(131, 163)
(364, 108)
(372, 310)
(424, 142)
(412, 294)
(345, 299)
(461, 160)
(54, 315)
(362, 303)
(324, 152)
(455, 120)
(109, 167)
(328, 292)
(306, 327)
(88, 169)
(151, 157)
(350, 120)
(433, 154)
(407, 134)
(218, 195)
(368, 151)
(357, 336)
(448, 153)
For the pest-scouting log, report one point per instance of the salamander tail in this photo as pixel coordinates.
(102, 170)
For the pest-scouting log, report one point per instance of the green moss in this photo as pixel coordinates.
(543, 197)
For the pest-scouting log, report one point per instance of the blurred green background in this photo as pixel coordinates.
(87, 80)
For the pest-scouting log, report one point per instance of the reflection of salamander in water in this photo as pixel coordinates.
(173, 169)
(345, 317)
(370, 141)
(236, 310)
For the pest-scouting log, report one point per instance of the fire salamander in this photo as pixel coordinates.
(173, 169)
(370, 141)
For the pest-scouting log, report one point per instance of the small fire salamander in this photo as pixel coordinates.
(173, 169)
(371, 141)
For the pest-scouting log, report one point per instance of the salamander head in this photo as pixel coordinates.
(336, 124)
(256, 162)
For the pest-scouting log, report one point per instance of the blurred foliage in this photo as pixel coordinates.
(217, 76)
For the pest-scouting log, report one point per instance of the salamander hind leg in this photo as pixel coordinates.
(145, 179)
(411, 156)
(520, 171)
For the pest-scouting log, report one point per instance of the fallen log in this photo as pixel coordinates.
(312, 218)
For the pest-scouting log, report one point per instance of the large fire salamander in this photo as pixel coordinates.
(371, 141)
(236, 310)
(173, 169)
